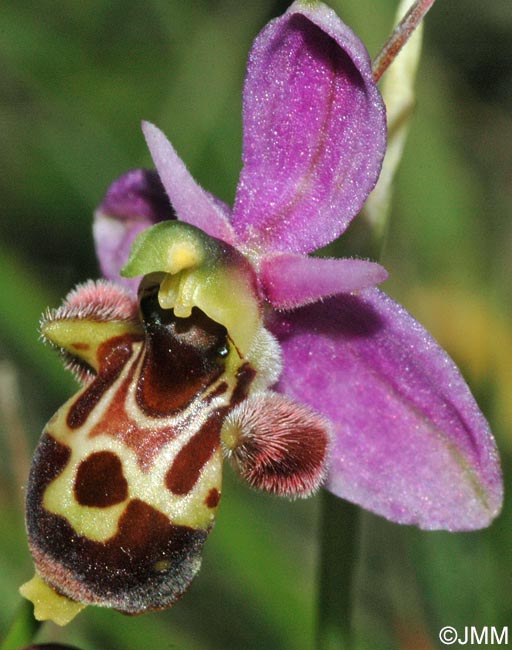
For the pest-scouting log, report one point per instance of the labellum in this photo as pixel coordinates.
(127, 477)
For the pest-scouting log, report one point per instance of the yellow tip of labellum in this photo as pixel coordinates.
(48, 604)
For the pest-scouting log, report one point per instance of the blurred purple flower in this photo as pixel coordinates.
(409, 440)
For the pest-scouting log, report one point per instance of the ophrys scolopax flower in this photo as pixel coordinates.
(239, 344)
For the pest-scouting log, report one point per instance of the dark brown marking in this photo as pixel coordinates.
(81, 346)
(145, 442)
(212, 498)
(100, 481)
(112, 356)
(244, 377)
(147, 565)
(181, 358)
(187, 466)
(50, 459)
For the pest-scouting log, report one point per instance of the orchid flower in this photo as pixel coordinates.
(296, 368)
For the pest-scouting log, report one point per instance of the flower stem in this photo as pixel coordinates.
(399, 37)
(339, 523)
(23, 628)
(338, 553)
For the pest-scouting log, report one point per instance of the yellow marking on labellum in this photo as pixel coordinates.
(64, 333)
(48, 604)
(146, 484)
(98, 524)
(197, 507)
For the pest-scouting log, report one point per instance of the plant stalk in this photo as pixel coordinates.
(23, 628)
(339, 525)
(399, 37)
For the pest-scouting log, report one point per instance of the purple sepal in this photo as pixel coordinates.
(132, 203)
(314, 132)
(290, 280)
(192, 203)
(410, 442)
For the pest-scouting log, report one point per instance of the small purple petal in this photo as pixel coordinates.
(192, 203)
(134, 202)
(290, 280)
(410, 441)
(314, 132)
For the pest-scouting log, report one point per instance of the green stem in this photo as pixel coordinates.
(339, 519)
(338, 555)
(23, 628)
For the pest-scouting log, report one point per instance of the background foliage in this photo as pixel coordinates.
(76, 79)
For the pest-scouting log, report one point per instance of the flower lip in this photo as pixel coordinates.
(196, 270)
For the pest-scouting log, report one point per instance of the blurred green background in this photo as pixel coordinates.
(76, 78)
